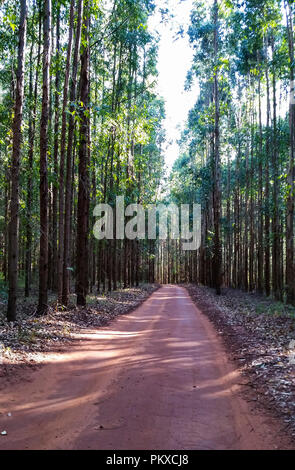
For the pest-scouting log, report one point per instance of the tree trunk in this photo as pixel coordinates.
(54, 282)
(260, 201)
(275, 217)
(290, 272)
(217, 258)
(267, 190)
(32, 129)
(69, 180)
(43, 263)
(83, 193)
(62, 156)
(13, 239)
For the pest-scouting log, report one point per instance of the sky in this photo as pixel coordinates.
(174, 61)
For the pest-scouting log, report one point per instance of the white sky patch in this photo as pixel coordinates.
(174, 61)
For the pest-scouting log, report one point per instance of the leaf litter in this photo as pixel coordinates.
(259, 334)
(25, 342)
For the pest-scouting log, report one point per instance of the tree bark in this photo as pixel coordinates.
(83, 192)
(32, 131)
(260, 199)
(69, 180)
(43, 262)
(267, 189)
(290, 271)
(217, 258)
(54, 282)
(275, 216)
(13, 239)
(62, 156)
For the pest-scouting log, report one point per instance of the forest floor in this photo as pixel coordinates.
(158, 378)
(27, 342)
(259, 335)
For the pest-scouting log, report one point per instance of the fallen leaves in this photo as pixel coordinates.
(260, 335)
(26, 341)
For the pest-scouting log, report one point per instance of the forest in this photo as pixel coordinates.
(82, 122)
(238, 147)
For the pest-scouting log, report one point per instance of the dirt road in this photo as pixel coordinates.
(157, 378)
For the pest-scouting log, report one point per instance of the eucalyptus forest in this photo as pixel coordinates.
(82, 122)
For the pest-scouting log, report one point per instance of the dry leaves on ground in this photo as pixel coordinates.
(260, 334)
(26, 341)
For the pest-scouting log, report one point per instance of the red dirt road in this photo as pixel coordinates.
(157, 378)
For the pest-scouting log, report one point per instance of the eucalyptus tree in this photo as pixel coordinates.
(64, 282)
(83, 194)
(33, 98)
(63, 152)
(43, 262)
(254, 64)
(290, 271)
(13, 242)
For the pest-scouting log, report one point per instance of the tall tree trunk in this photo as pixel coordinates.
(267, 190)
(83, 193)
(62, 156)
(275, 216)
(54, 282)
(290, 271)
(260, 199)
(246, 221)
(217, 259)
(43, 264)
(69, 180)
(13, 239)
(32, 131)
(229, 226)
